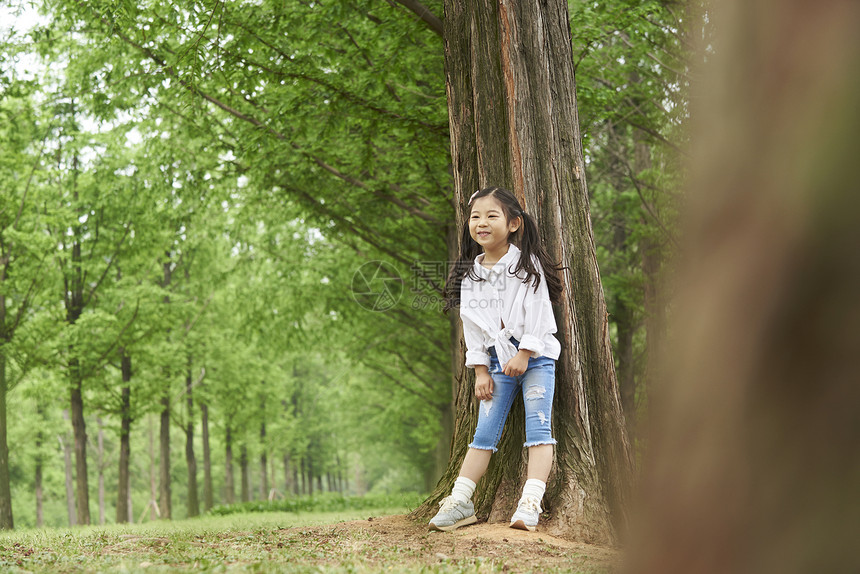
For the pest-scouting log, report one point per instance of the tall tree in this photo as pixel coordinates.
(23, 253)
(513, 120)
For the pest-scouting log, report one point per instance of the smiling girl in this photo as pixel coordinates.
(504, 293)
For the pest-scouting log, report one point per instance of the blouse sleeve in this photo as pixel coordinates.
(476, 349)
(539, 321)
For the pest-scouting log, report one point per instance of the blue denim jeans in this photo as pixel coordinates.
(538, 387)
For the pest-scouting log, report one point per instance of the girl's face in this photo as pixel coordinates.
(488, 225)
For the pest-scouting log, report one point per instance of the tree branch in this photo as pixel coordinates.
(425, 14)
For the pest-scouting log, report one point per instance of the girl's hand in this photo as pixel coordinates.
(484, 386)
(518, 365)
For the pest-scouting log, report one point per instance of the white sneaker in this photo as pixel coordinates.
(527, 514)
(453, 514)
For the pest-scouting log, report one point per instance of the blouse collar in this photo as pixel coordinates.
(508, 258)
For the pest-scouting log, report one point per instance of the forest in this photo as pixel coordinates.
(224, 232)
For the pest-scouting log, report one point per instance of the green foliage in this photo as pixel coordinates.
(195, 186)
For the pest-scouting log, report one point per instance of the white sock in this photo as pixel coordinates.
(535, 488)
(463, 490)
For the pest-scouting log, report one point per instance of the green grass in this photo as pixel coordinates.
(305, 541)
(248, 542)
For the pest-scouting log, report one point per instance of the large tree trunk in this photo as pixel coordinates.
(123, 508)
(208, 501)
(755, 452)
(513, 122)
(6, 521)
(164, 494)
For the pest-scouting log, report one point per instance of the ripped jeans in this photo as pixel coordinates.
(538, 387)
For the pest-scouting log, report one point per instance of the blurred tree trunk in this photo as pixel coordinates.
(208, 501)
(264, 463)
(123, 496)
(190, 460)
(6, 521)
(100, 459)
(229, 484)
(755, 432)
(513, 122)
(244, 474)
(70, 481)
(164, 494)
(165, 498)
(153, 485)
(40, 439)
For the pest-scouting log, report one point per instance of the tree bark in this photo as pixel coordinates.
(208, 501)
(164, 494)
(229, 484)
(513, 121)
(190, 459)
(123, 496)
(755, 434)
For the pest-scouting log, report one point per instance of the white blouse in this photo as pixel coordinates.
(503, 298)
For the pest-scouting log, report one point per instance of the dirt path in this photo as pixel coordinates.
(396, 540)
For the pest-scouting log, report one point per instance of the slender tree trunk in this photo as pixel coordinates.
(101, 457)
(153, 485)
(164, 498)
(264, 464)
(82, 496)
(70, 481)
(513, 122)
(244, 474)
(190, 459)
(40, 438)
(208, 501)
(74, 307)
(229, 484)
(123, 497)
(6, 521)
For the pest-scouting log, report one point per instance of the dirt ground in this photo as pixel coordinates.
(490, 547)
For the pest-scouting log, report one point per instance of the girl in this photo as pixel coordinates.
(504, 297)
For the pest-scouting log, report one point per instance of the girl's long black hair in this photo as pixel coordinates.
(530, 244)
